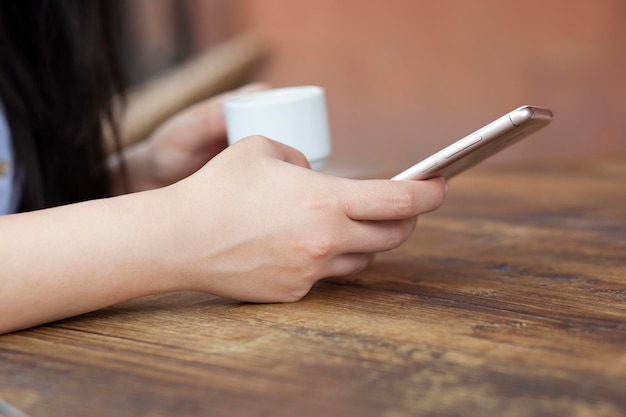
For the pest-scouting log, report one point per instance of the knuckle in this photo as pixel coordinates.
(257, 141)
(364, 262)
(396, 237)
(290, 285)
(298, 293)
(301, 284)
(322, 247)
(404, 202)
(401, 232)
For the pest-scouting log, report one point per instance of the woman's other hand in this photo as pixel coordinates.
(182, 145)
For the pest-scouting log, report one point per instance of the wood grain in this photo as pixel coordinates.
(510, 300)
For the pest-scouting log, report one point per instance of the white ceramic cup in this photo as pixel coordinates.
(295, 116)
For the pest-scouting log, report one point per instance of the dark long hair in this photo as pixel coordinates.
(59, 70)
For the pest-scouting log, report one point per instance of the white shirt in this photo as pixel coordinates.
(9, 191)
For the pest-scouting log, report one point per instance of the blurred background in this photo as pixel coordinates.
(405, 77)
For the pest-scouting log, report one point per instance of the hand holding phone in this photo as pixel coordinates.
(480, 145)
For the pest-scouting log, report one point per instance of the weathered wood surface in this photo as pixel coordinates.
(511, 300)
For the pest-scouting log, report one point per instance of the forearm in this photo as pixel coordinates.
(70, 260)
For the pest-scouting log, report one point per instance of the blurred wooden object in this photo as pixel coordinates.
(220, 68)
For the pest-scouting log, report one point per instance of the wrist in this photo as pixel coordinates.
(156, 222)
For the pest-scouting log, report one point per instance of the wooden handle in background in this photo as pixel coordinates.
(220, 68)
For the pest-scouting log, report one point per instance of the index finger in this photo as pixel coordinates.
(392, 200)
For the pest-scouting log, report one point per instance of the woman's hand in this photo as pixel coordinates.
(255, 224)
(181, 146)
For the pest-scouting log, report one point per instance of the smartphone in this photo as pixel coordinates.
(480, 145)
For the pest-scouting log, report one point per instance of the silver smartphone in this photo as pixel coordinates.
(480, 145)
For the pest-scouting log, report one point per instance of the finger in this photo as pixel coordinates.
(377, 236)
(349, 264)
(209, 115)
(391, 200)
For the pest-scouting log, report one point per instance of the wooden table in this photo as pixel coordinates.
(510, 300)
